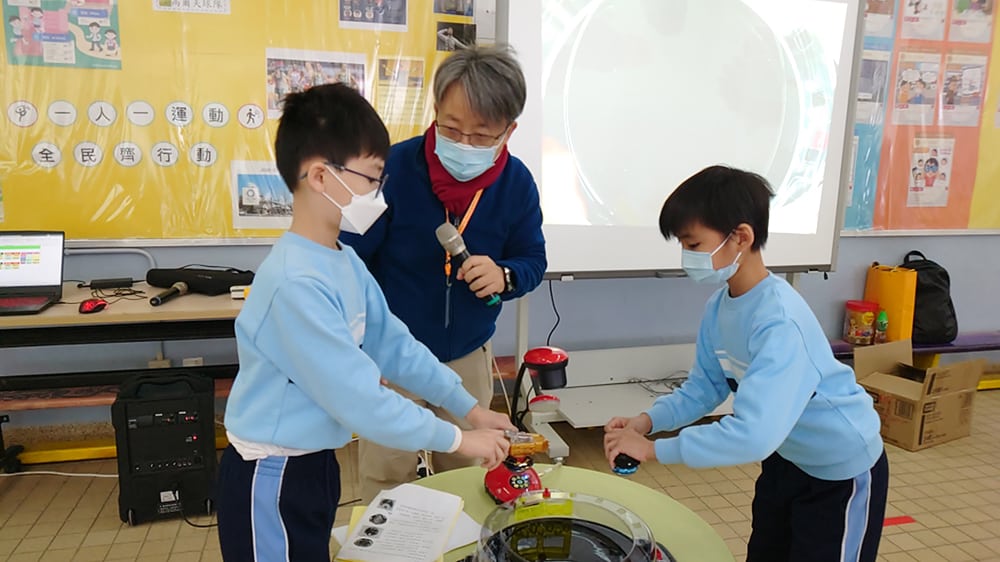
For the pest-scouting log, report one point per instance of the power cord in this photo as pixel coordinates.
(668, 383)
(120, 294)
(180, 503)
(552, 299)
(197, 525)
(112, 295)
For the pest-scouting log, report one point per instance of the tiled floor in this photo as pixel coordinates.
(951, 491)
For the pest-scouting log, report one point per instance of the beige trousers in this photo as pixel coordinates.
(381, 468)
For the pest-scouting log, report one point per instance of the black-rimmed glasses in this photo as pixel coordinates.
(379, 182)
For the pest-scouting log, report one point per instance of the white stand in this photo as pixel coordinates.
(599, 384)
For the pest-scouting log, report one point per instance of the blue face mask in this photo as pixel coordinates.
(698, 266)
(464, 162)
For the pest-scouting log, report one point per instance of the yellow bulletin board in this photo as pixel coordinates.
(155, 119)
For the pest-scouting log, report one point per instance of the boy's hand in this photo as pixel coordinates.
(629, 442)
(490, 445)
(483, 275)
(481, 418)
(641, 424)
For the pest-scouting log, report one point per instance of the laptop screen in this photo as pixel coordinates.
(31, 259)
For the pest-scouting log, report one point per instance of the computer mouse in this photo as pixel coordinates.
(93, 305)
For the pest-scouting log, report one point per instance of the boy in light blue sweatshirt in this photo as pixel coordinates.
(315, 337)
(824, 477)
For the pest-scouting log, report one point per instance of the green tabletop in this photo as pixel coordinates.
(688, 537)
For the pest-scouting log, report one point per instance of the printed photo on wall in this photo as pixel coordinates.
(962, 90)
(290, 71)
(930, 172)
(971, 21)
(399, 95)
(259, 195)
(77, 34)
(923, 19)
(384, 15)
(916, 88)
(878, 18)
(454, 36)
(455, 7)
(873, 87)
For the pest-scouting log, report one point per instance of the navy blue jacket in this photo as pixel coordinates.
(403, 254)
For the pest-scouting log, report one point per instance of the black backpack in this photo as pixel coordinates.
(934, 320)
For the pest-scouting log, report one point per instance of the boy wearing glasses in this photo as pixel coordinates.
(458, 171)
(314, 338)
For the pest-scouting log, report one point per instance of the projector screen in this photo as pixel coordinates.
(627, 98)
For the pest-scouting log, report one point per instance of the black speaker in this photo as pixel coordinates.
(165, 436)
(200, 280)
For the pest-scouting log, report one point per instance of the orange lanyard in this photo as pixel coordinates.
(461, 229)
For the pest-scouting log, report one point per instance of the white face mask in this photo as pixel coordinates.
(361, 213)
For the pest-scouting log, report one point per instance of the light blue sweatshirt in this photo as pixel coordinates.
(793, 396)
(314, 338)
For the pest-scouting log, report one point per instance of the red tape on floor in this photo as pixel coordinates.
(901, 520)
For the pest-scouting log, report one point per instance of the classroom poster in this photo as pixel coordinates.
(972, 21)
(962, 90)
(916, 88)
(873, 87)
(401, 90)
(930, 172)
(260, 198)
(63, 33)
(923, 19)
(177, 142)
(290, 71)
(384, 15)
(929, 161)
(879, 21)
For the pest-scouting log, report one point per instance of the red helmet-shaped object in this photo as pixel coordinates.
(547, 366)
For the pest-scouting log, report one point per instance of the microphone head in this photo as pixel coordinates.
(450, 239)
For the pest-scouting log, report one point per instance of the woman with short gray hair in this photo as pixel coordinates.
(459, 171)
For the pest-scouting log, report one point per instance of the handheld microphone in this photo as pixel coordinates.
(452, 242)
(177, 289)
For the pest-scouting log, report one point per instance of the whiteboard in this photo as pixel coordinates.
(627, 98)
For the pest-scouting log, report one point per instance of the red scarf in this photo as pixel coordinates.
(454, 194)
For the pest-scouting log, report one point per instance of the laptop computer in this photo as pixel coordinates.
(31, 271)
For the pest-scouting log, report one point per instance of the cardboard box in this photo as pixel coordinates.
(918, 408)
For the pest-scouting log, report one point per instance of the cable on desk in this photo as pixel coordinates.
(120, 294)
(111, 295)
(668, 383)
